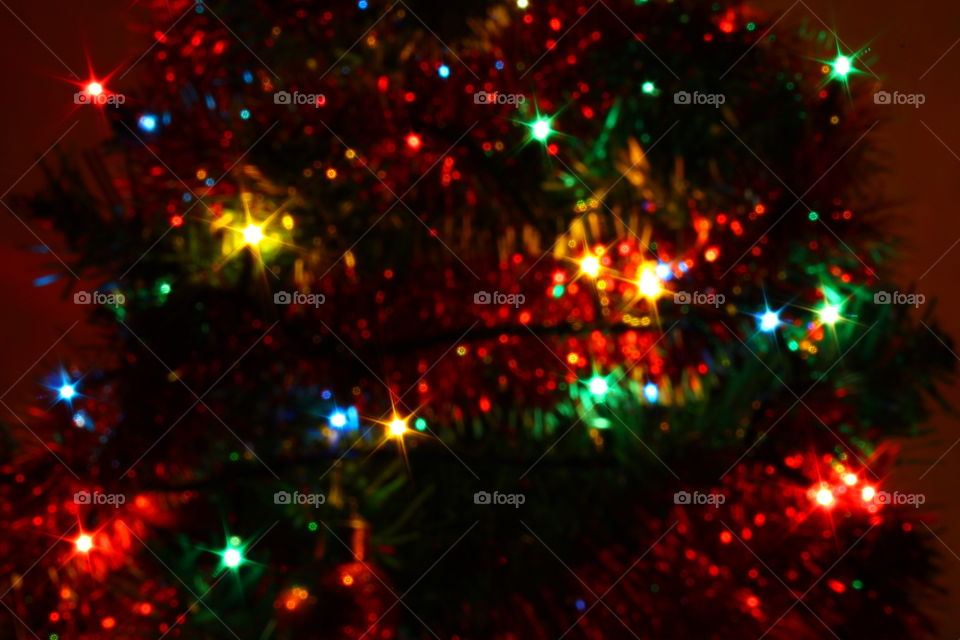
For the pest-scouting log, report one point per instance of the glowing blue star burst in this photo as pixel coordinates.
(769, 321)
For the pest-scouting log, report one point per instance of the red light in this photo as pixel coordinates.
(94, 88)
(108, 622)
(176, 221)
(413, 141)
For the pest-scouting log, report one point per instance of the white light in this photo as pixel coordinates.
(769, 321)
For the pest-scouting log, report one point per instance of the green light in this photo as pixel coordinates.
(313, 526)
(857, 584)
(541, 129)
(842, 66)
(165, 288)
(793, 345)
(598, 386)
(814, 216)
(558, 290)
(233, 554)
(420, 424)
(649, 88)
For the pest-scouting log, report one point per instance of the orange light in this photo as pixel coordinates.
(348, 580)
(413, 141)
(397, 426)
(825, 497)
(108, 622)
(84, 543)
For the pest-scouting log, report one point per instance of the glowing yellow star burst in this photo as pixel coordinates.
(590, 266)
(253, 234)
(649, 283)
(397, 427)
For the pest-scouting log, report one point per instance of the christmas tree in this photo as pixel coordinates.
(526, 320)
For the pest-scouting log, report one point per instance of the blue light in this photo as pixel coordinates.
(769, 321)
(663, 271)
(581, 605)
(67, 391)
(682, 266)
(147, 122)
(338, 420)
(499, 65)
(244, 115)
(444, 71)
(362, 4)
(651, 392)
(209, 182)
(326, 394)
(248, 77)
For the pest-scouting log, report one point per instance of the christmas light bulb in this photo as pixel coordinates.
(842, 66)
(649, 284)
(598, 386)
(825, 497)
(94, 88)
(253, 234)
(67, 391)
(338, 419)
(829, 314)
(397, 426)
(84, 543)
(541, 129)
(590, 266)
(769, 321)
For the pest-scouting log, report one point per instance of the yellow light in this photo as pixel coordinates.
(590, 266)
(523, 4)
(84, 543)
(825, 497)
(868, 493)
(397, 427)
(253, 234)
(649, 283)
(829, 314)
(850, 479)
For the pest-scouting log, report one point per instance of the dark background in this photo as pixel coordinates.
(43, 41)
